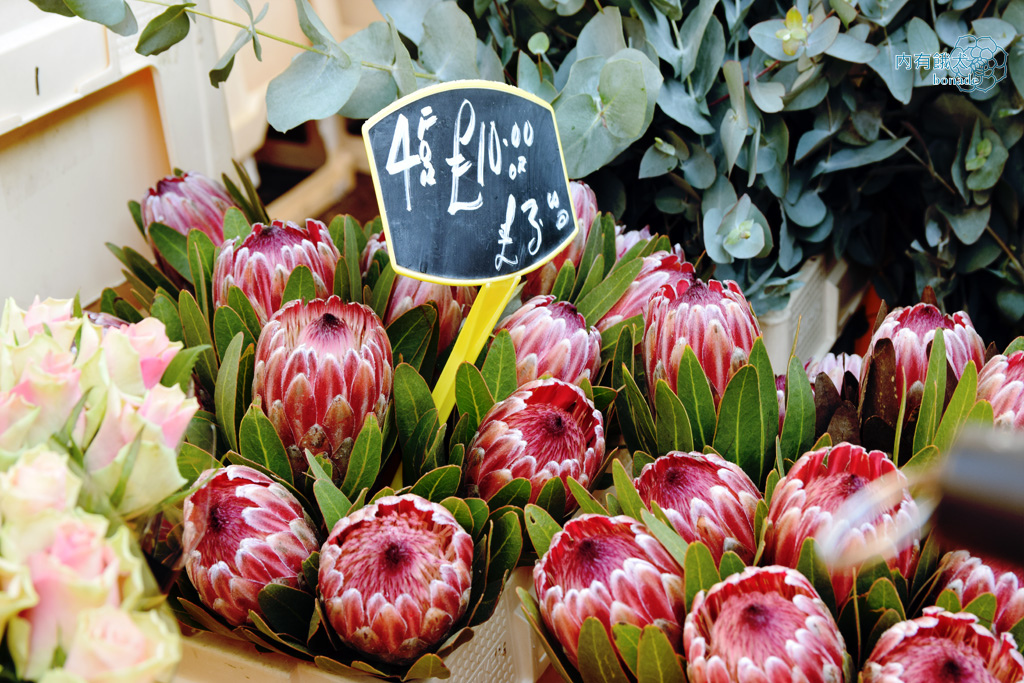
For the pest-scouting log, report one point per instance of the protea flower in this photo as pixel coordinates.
(584, 204)
(261, 263)
(970, 577)
(453, 303)
(552, 338)
(1001, 383)
(395, 577)
(625, 239)
(186, 202)
(707, 499)
(941, 646)
(835, 366)
(712, 318)
(610, 568)
(780, 396)
(911, 328)
(243, 531)
(806, 500)
(321, 368)
(765, 624)
(546, 429)
(659, 269)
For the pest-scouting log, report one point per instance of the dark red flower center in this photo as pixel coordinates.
(594, 558)
(941, 660)
(225, 529)
(755, 625)
(831, 492)
(567, 312)
(395, 555)
(924, 318)
(698, 293)
(551, 434)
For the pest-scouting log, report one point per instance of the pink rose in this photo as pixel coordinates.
(111, 646)
(40, 480)
(50, 382)
(149, 339)
(43, 314)
(16, 419)
(170, 410)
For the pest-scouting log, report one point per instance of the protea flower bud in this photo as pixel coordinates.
(835, 366)
(610, 568)
(707, 499)
(625, 239)
(261, 263)
(713, 318)
(911, 328)
(186, 202)
(659, 269)
(546, 429)
(765, 624)
(970, 577)
(780, 396)
(1001, 383)
(584, 204)
(552, 338)
(806, 500)
(321, 368)
(243, 531)
(941, 646)
(453, 303)
(395, 576)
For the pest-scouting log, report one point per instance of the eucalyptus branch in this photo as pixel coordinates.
(384, 67)
(928, 166)
(1014, 261)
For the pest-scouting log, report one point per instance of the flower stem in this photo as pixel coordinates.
(931, 169)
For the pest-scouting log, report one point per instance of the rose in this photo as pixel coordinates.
(16, 591)
(36, 376)
(40, 480)
(137, 355)
(52, 318)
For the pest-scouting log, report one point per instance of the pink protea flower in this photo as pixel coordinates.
(712, 318)
(765, 624)
(612, 569)
(659, 269)
(625, 239)
(261, 263)
(970, 577)
(584, 204)
(395, 576)
(707, 499)
(1001, 383)
(552, 338)
(941, 646)
(911, 328)
(806, 500)
(321, 368)
(780, 395)
(835, 366)
(242, 531)
(546, 429)
(453, 303)
(186, 202)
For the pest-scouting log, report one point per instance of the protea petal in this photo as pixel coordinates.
(546, 429)
(186, 202)
(763, 624)
(242, 530)
(707, 499)
(835, 366)
(609, 568)
(941, 646)
(659, 269)
(970, 577)
(1001, 383)
(395, 576)
(551, 338)
(806, 500)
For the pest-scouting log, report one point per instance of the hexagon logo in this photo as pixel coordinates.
(977, 63)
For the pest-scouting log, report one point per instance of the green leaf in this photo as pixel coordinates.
(1016, 345)
(622, 358)
(438, 484)
(197, 333)
(630, 500)
(657, 661)
(165, 309)
(883, 596)
(541, 528)
(730, 564)
(165, 30)
(853, 157)
(506, 545)
(923, 459)
(610, 337)
(640, 460)
(515, 493)
(300, 286)
(235, 225)
(635, 417)
(694, 392)
(353, 256)
(672, 424)
(798, 425)
(412, 401)
(333, 504)
(411, 335)
(364, 461)
(478, 508)
(627, 642)
(598, 661)
(666, 535)
(243, 307)
(594, 276)
(472, 395)
(146, 272)
(226, 393)
(739, 437)
(552, 498)
(427, 666)
(193, 461)
(700, 571)
(286, 609)
(949, 601)
(227, 324)
(811, 566)
(564, 282)
(499, 370)
(587, 502)
(957, 410)
(382, 291)
(984, 607)
(934, 393)
(179, 370)
(259, 442)
(600, 300)
(769, 399)
(200, 262)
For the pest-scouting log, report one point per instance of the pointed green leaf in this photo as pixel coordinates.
(700, 570)
(193, 461)
(564, 281)
(352, 259)
(640, 460)
(984, 607)
(286, 609)
(934, 393)
(883, 596)
(438, 484)
(499, 369)
(657, 660)
(197, 333)
(601, 298)
(594, 245)
(300, 286)
(412, 401)
(478, 508)
(598, 662)
(1014, 346)
(236, 226)
(179, 370)
(628, 497)
(541, 528)
(165, 309)
(382, 291)
(811, 566)
(667, 536)
(958, 409)
(427, 666)
(460, 511)
(587, 502)
(173, 247)
(594, 277)
(515, 493)
(798, 425)
(146, 271)
(622, 358)
(258, 441)
(610, 337)
(739, 437)
(730, 564)
(769, 398)
(472, 395)
(923, 459)
(949, 601)
(694, 391)
(627, 641)
(225, 395)
(552, 498)
(635, 417)
(243, 307)
(226, 325)
(672, 425)
(200, 262)
(411, 335)
(506, 545)
(364, 461)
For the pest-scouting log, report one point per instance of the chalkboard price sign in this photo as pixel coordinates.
(470, 181)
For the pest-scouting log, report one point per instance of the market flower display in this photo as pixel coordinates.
(659, 269)
(190, 201)
(243, 531)
(970, 577)
(612, 569)
(261, 263)
(546, 429)
(584, 204)
(707, 499)
(552, 338)
(763, 624)
(395, 576)
(1001, 383)
(321, 368)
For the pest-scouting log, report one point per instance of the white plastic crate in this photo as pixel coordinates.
(87, 124)
(503, 650)
(820, 309)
